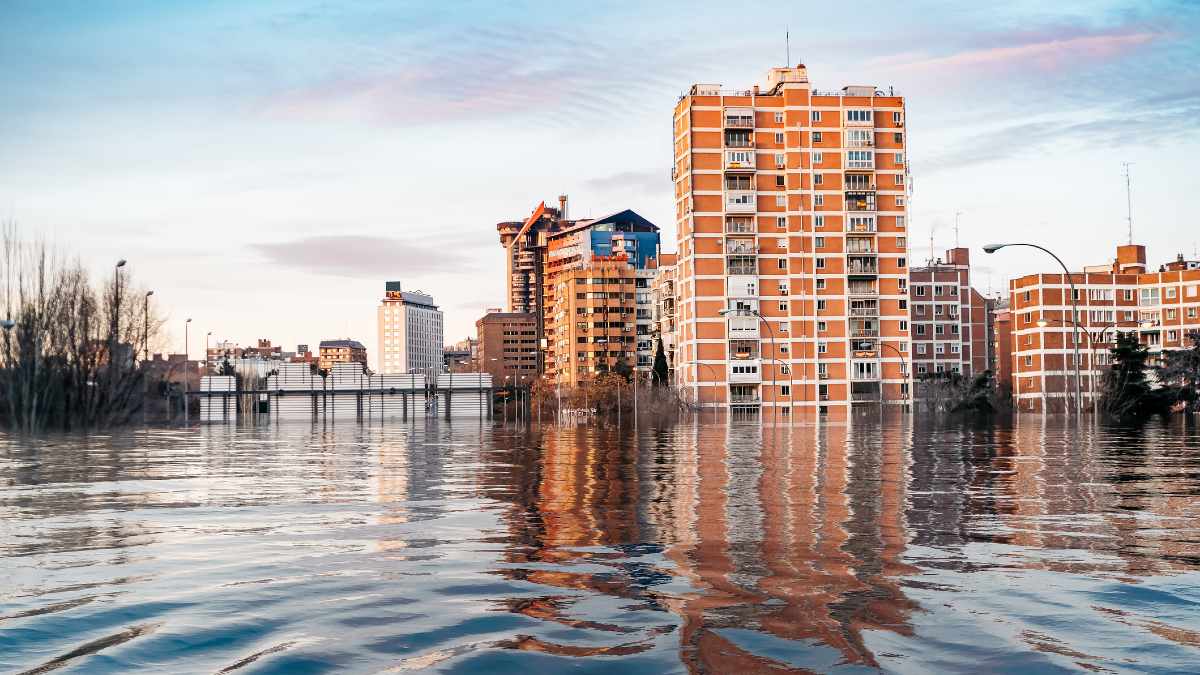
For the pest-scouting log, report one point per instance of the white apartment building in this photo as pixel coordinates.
(410, 332)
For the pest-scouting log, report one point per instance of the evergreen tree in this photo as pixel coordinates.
(1126, 394)
(1180, 372)
(660, 365)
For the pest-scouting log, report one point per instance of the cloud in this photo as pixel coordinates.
(364, 256)
(655, 181)
(1046, 54)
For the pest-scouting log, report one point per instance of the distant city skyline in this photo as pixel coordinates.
(265, 168)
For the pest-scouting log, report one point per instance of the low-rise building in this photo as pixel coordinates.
(341, 351)
(1162, 308)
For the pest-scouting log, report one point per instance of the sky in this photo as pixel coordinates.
(266, 166)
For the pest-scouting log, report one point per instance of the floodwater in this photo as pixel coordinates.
(439, 547)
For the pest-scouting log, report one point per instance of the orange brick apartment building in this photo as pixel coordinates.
(1161, 307)
(949, 318)
(791, 203)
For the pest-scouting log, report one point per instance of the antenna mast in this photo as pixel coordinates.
(956, 215)
(1128, 202)
(787, 42)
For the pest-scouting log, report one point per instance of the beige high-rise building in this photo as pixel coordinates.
(410, 332)
(792, 273)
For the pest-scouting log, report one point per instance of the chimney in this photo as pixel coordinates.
(562, 208)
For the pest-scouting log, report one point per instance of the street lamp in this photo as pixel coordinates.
(992, 248)
(903, 370)
(186, 419)
(146, 324)
(771, 332)
(712, 371)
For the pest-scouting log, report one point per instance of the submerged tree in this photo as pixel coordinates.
(661, 371)
(1180, 373)
(68, 353)
(1125, 392)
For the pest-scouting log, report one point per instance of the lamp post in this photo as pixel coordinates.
(114, 330)
(712, 370)
(1091, 340)
(771, 332)
(146, 324)
(903, 372)
(992, 248)
(186, 374)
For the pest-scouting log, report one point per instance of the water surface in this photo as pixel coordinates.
(696, 548)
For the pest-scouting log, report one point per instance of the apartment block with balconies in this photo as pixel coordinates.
(948, 318)
(792, 257)
(1161, 308)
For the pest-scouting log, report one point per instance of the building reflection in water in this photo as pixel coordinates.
(793, 534)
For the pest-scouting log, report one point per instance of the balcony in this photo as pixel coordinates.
(860, 308)
(864, 396)
(747, 371)
(743, 350)
(744, 399)
(860, 201)
(862, 265)
(862, 289)
(740, 246)
(861, 332)
(739, 160)
(859, 246)
(860, 159)
(743, 327)
(739, 139)
(864, 371)
(743, 265)
(741, 201)
(859, 182)
(739, 226)
(739, 119)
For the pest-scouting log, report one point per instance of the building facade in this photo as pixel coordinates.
(507, 346)
(791, 208)
(662, 297)
(1162, 308)
(949, 318)
(341, 351)
(410, 332)
(594, 326)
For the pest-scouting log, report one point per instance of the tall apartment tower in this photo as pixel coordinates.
(410, 332)
(792, 269)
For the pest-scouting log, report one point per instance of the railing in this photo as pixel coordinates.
(750, 249)
(743, 399)
(864, 396)
(741, 201)
(860, 249)
(859, 142)
(862, 269)
(864, 332)
(862, 290)
(739, 122)
(864, 311)
(739, 142)
(735, 227)
(743, 269)
(864, 377)
(860, 164)
(860, 227)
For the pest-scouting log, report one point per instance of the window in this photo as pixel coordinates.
(920, 329)
(820, 263)
(859, 159)
(816, 115)
(780, 200)
(920, 349)
(1172, 335)
(783, 306)
(819, 242)
(821, 326)
(897, 138)
(896, 118)
(899, 179)
(819, 200)
(900, 222)
(779, 178)
(779, 118)
(939, 329)
(903, 303)
(779, 138)
(821, 304)
(858, 115)
(901, 242)
(1171, 292)
(818, 158)
(785, 390)
(820, 285)
(816, 138)
(899, 201)
(781, 243)
(919, 291)
(780, 160)
(1191, 312)
(1029, 360)
(898, 159)
(783, 326)
(783, 288)
(901, 262)
(939, 348)
(1192, 290)
(818, 179)
(903, 325)
(819, 221)
(822, 348)
(921, 369)
(1170, 314)
(1128, 294)
(781, 263)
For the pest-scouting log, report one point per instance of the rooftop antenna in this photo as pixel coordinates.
(956, 215)
(787, 42)
(930, 245)
(1128, 201)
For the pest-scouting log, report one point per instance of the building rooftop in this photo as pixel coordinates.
(335, 344)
